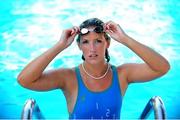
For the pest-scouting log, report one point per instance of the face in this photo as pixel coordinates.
(93, 46)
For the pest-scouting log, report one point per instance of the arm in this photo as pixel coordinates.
(33, 75)
(155, 65)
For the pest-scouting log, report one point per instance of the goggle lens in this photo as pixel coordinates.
(97, 29)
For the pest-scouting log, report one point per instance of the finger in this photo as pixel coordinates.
(109, 31)
(73, 31)
(77, 29)
(111, 24)
(106, 27)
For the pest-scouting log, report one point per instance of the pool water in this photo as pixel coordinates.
(28, 28)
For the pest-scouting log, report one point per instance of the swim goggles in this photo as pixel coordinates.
(98, 29)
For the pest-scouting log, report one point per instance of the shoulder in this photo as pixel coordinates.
(68, 75)
(122, 69)
(61, 75)
(126, 69)
(60, 72)
(66, 72)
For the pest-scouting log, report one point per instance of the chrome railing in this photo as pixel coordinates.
(31, 110)
(155, 104)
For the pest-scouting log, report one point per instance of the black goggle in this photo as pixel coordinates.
(97, 29)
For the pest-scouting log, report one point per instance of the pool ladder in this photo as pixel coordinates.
(31, 109)
(156, 104)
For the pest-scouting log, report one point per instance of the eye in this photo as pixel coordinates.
(84, 41)
(99, 41)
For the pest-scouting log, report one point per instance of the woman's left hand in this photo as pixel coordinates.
(115, 31)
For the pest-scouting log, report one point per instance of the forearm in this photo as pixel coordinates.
(154, 60)
(35, 68)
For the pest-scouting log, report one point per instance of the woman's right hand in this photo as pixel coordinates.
(67, 36)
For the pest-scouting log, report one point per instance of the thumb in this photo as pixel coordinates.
(109, 31)
(73, 35)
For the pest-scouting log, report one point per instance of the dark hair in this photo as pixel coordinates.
(94, 22)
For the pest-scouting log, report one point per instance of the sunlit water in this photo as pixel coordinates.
(28, 28)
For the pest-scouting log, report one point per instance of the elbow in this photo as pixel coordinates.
(166, 67)
(22, 81)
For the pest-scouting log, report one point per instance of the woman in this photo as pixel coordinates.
(95, 88)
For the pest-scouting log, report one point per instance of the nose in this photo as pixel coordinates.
(92, 47)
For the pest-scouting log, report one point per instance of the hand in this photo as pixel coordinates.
(115, 31)
(68, 35)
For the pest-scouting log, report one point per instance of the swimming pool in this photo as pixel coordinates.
(27, 28)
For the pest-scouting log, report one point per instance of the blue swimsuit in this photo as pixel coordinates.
(97, 105)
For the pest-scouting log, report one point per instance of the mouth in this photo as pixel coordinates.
(93, 55)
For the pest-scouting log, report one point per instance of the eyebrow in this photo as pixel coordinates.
(98, 38)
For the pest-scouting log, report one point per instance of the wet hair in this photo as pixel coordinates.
(95, 22)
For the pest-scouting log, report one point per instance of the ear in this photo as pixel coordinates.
(108, 43)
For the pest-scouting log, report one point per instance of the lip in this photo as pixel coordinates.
(93, 56)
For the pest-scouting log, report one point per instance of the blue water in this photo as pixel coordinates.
(28, 28)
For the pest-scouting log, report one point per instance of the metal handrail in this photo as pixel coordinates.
(156, 104)
(31, 109)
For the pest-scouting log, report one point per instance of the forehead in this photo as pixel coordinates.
(92, 36)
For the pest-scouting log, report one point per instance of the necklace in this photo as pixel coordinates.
(97, 78)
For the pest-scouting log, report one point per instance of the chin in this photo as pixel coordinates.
(94, 61)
